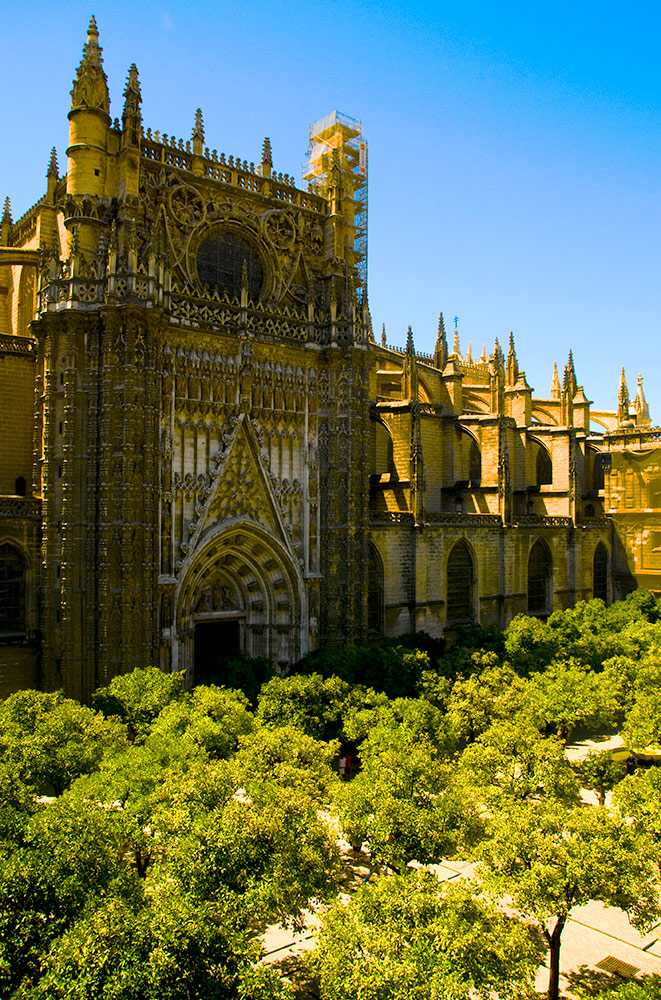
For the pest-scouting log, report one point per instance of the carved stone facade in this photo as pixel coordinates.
(223, 460)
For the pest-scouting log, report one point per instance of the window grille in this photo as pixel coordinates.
(460, 583)
(12, 590)
(539, 579)
(220, 262)
(600, 572)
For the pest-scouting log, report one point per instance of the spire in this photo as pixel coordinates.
(641, 406)
(197, 134)
(555, 382)
(497, 356)
(441, 351)
(484, 358)
(52, 164)
(131, 115)
(267, 152)
(512, 362)
(6, 223)
(410, 349)
(469, 355)
(569, 381)
(623, 401)
(384, 339)
(90, 87)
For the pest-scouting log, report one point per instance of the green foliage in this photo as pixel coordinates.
(511, 761)
(314, 704)
(478, 700)
(648, 988)
(290, 759)
(530, 645)
(50, 740)
(568, 696)
(417, 716)
(395, 670)
(642, 727)
(600, 772)
(548, 858)
(209, 717)
(638, 798)
(137, 698)
(404, 802)
(411, 937)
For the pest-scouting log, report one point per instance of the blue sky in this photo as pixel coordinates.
(515, 148)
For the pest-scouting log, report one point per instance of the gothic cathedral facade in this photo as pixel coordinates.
(205, 452)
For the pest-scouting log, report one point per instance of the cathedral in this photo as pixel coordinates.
(205, 451)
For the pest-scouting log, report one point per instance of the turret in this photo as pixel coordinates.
(89, 124)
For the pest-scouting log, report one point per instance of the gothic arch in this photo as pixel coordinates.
(381, 448)
(540, 579)
(244, 579)
(600, 567)
(460, 580)
(543, 471)
(26, 301)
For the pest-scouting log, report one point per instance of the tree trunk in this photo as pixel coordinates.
(554, 956)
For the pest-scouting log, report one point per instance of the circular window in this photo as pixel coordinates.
(220, 261)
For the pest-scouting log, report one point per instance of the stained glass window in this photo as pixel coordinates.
(220, 262)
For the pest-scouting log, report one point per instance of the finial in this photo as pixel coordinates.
(384, 339)
(5, 225)
(197, 134)
(469, 354)
(569, 379)
(90, 87)
(643, 418)
(132, 91)
(555, 382)
(52, 164)
(512, 362)
(410, 349)
(267, 153)
(441, 353)
(455, 342)
(497, 356)
(484, 357)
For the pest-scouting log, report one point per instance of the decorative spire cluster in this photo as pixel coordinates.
(556, 389)
(90, 87)
(267, 153)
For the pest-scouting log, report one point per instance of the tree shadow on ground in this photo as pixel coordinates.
(304, 983)
(590, 982)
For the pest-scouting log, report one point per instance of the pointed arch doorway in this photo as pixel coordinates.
(241, 594)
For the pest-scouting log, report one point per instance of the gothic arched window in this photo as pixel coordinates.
(602, 464)
(375, 586)
(600, 573)
(544, 467)
(12, 590)
(382, 449)
(540, 572)
(460, 586)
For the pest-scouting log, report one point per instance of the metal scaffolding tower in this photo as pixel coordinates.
(338, 138)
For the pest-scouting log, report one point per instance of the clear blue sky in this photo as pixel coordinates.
(515, 148)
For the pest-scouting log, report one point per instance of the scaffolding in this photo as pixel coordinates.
(339, 138)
